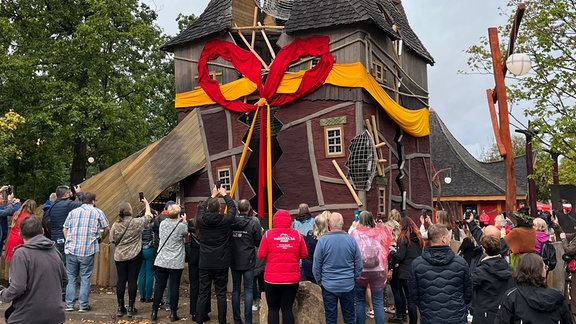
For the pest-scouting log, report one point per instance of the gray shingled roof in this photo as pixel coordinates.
(470, 177)
(312, 14)
(216, 17)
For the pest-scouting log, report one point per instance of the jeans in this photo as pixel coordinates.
(146, 275)
(331, 306)
(60, 248)
(83, 266)
(237, 276)
(377, 302)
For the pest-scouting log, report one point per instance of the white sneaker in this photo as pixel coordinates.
(255, 307)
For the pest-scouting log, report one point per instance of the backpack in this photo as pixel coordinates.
(548, 254)
(370, 253)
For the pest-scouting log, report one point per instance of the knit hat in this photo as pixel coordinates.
(522, 217)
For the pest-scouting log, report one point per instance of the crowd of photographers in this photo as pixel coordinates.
(476, 269)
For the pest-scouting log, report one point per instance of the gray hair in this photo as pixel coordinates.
(336, 221)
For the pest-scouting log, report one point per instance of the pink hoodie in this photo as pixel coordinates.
(541, 237)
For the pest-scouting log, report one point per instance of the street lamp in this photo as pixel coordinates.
(518, 63)
(500, 121)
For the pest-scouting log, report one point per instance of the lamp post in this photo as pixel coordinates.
(500, 122)
(436, 180)
(530, 133)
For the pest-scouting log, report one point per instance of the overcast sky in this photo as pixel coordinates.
(446, 28)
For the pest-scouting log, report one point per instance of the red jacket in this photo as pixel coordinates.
(282, 247)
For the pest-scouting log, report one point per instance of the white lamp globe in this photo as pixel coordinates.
(518, 63)
(90, 160)
(447, 180)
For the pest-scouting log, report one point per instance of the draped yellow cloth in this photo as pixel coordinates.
(354, 75)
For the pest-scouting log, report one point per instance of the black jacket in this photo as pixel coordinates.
(405, 254)
(246, 235)
(538, 305)
(440, 285)
(491, 279)
(215, 236)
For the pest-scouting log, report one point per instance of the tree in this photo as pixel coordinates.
(492, 154)
(8, 125)
(90, 80)
(548, 92)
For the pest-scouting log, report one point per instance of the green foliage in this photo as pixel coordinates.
(90, 80)
(492, 154)
(548, 93)
(185, 21)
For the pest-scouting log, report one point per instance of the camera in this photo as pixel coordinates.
(460, 223)
(468, 212)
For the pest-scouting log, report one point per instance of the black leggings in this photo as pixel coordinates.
(280, 296)
(128, 271)
(412, 312)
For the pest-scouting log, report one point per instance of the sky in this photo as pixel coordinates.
(446, 28)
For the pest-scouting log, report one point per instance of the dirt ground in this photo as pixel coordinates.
(104, 307)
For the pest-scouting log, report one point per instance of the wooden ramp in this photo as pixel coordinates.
(151, 170)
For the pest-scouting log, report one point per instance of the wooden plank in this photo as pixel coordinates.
(352, 191)
(313, 163)
(150, 170)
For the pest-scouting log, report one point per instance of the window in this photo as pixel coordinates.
(213, 75)
(308, 62)
(382, 200)
(224, 178)
(333, 136)
(379, 72)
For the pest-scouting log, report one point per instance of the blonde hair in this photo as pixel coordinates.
(394, 215)
(320, 226)
(325, 214)
(173, 211)
(540, 224)
(498, 219)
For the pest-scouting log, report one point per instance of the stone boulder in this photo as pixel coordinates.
(308, 307)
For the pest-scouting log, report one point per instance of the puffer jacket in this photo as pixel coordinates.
(490, 279)
(282, 247)
(533, 305)
(440, 285)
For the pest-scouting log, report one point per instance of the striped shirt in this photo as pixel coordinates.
(84, 224)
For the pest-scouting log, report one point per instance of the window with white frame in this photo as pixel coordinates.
(382, 200)
(224, 178)
(334, 136)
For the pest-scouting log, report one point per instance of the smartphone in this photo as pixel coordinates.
(141, 195)
(181, 210)
(9, 191)
(356, 214)
(218, 184)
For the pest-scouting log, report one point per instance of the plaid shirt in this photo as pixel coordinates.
(84, 224)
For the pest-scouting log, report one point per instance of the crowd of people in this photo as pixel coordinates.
(496, 273)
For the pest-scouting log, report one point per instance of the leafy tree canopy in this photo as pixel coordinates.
(90, 80)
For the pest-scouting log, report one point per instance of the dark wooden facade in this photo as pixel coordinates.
(301, 170)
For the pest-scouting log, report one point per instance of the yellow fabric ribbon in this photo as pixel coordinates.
(354, 75)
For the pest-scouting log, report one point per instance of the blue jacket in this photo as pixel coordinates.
(337, 262)
(58, 213)
(440, 285)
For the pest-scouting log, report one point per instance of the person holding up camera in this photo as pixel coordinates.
(215, 251)
(12, 205)
(126, 234)
(170, 260)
